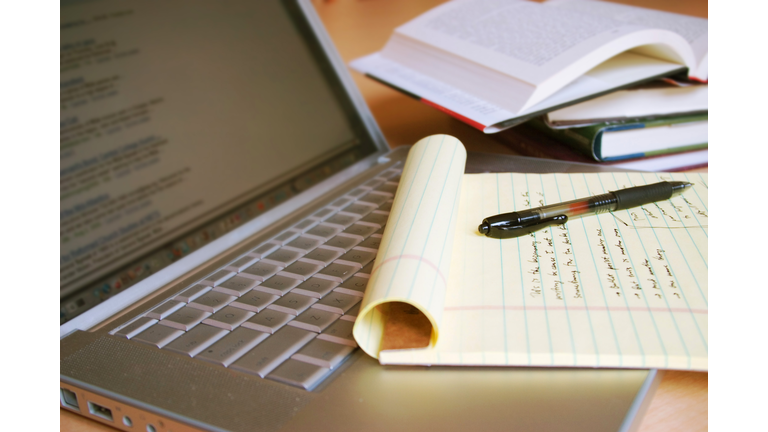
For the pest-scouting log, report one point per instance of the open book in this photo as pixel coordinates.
(623, 289)
(496, 63)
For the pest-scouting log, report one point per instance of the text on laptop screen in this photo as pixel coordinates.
(174, 113)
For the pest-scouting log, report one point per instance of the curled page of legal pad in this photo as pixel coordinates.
(415, 251)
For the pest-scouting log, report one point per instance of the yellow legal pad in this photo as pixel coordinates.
(624, 289)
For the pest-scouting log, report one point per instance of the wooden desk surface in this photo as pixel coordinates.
(359, 27)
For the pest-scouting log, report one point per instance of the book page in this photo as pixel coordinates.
(525, 39)
(693, 29)
(415, 252)
(624, 289)
(518, 53)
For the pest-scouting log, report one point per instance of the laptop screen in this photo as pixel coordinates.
(181, 120)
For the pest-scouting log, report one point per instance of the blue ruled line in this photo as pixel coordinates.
(501, 257)
(429, 234)
(599, 279)
(522, 282)
(541, 281)
(618, 277)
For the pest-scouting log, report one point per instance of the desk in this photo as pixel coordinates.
(359, 27)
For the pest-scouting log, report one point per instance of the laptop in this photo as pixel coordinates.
(222, 183)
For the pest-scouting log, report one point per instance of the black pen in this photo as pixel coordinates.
(516, 224)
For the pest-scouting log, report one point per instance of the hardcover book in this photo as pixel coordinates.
(497, 63)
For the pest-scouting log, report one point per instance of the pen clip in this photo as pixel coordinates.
(512, 231)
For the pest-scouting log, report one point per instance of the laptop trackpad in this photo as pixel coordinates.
(371, 397)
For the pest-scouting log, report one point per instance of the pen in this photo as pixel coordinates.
(516, 224)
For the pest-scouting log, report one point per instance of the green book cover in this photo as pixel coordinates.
(589, 139)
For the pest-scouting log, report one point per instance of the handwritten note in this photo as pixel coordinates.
(623, 289)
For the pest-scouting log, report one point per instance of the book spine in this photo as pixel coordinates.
(579, 139)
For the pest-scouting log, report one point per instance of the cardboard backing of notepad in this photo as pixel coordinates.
(405, 327)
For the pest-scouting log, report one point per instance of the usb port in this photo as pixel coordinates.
(100, 411)
(69, 399)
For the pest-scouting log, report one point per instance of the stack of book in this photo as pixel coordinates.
(658, 126)
(581, 80)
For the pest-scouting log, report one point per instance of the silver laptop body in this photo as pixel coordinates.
(205, 64)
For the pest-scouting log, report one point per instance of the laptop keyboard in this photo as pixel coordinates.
(285, 310)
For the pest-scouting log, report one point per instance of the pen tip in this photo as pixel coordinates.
(483, 228)
(679, 187)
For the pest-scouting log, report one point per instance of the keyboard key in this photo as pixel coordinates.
(322, 256)
(323, 232)
(299, 374)
(165, 309)
(135, 327)
(376, 217)
(304, 225)
(263, 250)
(236, 286)
(343, 242)
(376, 198)
(273, 351)
(390, 173)
(301, 270)
(304, 244)
(228, 318)
(217, 277)
(282, 257)
(315, 287)
(232, 346)
(357, 257)
(196, 340)
(352, 313)
(354, 286)
(292, 304)
(336, 302)
(372, 183)
(278, 285)
(366, 270)
(357, 193)
(371, 243)
(185, 318)
(241, 263)
(285, 236)
(361, 209)
(158, 335)
(387, 206)
(323, 353)
(341, 203)
(323, 214)
(339, 332)
(342, 219)
(260, 271)
(388, 187)
(254, 301)
(361, 230)
(192, 293)
(268, 321)
(212, 301)
(315, 320)
(337, 272)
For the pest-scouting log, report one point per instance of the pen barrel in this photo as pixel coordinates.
(578, 207)
(637, 196)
